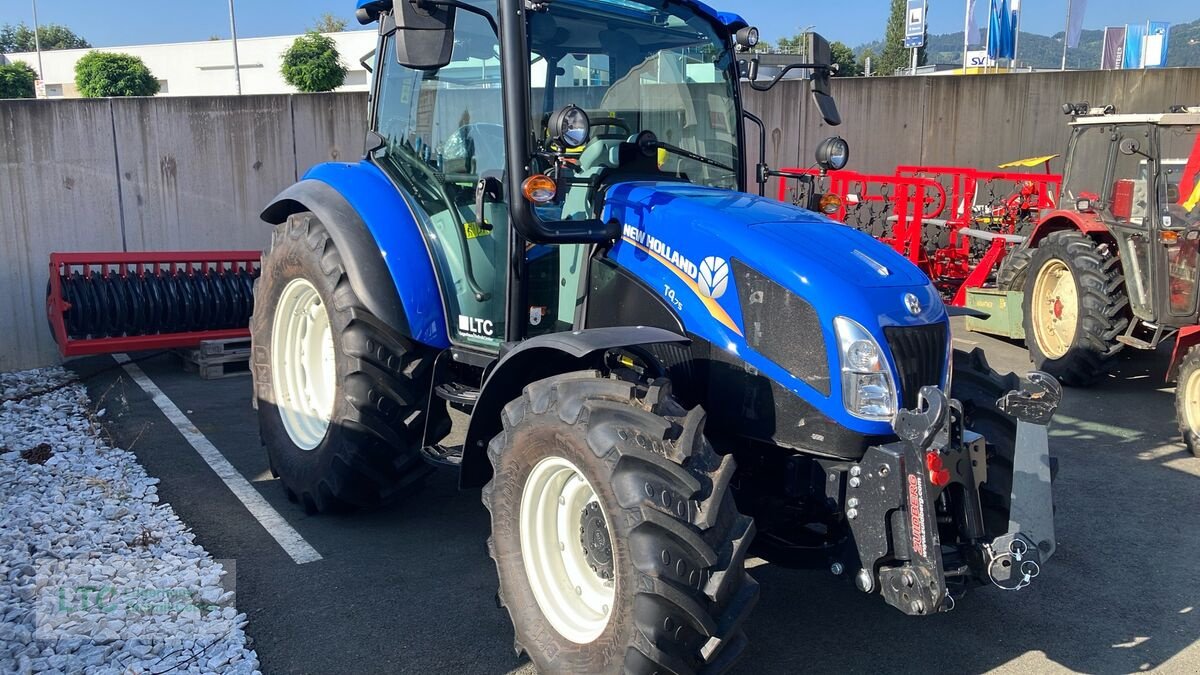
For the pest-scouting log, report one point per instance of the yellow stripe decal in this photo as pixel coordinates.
(714, 308)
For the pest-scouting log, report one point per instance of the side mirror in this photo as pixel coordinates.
(424, 33)
(822, 57)
(1129, 146)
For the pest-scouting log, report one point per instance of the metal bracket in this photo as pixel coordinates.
(1012, 562)
(1036, 401)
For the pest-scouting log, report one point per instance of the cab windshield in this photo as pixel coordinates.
(636, 67)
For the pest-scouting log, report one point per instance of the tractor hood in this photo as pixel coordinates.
(762, 233)
(764, 281)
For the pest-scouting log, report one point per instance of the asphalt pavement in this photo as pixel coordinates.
(410, 587)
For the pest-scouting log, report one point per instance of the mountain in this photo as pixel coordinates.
(1042, 51)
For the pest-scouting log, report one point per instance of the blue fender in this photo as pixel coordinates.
(385, 254)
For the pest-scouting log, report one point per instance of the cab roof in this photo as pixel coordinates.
(730, 20)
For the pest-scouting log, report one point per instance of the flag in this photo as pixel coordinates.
(1002, 31)
(1155, 49)
(974, 32)
(1134, 42)
(1113, 55)
(1077, 8)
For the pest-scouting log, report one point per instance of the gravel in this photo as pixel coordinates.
(96, 576)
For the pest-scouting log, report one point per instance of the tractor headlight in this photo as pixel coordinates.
(868, 390)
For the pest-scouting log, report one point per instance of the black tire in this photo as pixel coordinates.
(681, 588)
(1189, 370)
(1013, 269)
(1102, 315)
(369, 454)
(979, 388)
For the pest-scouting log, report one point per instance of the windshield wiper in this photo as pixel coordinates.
(688, 154)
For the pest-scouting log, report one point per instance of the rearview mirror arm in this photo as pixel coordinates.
(779, 76)
(466, 8)
(762, 171)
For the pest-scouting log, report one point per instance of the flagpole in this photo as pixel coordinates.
(966, 34)
(1016, 38)
(1067, 34)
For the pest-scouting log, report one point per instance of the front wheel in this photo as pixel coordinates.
(616, 539)
(1187, 400)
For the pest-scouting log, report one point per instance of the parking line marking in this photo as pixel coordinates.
(275, 525)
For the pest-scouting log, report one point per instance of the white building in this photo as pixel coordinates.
(206, 68)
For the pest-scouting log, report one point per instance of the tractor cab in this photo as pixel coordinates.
(1138, 177)
(508, 134)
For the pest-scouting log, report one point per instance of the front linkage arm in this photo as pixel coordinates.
(891, 501)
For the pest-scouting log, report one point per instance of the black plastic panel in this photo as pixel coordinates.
(783, 327)
(920, 353)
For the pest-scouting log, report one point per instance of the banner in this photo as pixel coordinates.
(914, 30)
(1155, 49)
(1112, 57)
(1134, 40)
(1077, 8)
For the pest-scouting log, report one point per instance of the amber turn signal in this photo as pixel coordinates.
(830, 204)
(539, 189)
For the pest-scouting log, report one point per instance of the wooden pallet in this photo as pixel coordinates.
(216, 359)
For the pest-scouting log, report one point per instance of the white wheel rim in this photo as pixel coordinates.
(572, 597)
(1055, 309)
(302, 364)
(1191, 402)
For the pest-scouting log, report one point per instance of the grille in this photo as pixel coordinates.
(920, 354)
(782, 327)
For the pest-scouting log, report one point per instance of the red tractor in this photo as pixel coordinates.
(1114, 267)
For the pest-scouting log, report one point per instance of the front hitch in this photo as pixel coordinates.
(893, 493)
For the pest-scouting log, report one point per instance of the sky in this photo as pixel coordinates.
(851, 21)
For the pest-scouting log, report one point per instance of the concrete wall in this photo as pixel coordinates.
(193, 173)
(979, 121)
(146, 174)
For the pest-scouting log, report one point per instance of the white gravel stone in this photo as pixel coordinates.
(95, 575)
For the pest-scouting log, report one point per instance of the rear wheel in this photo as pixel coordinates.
(1187, 400)
(616, 539)
(340, 396)
(1075, 308)
(1014, 269)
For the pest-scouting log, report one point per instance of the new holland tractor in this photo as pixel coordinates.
(1115, 267)
(549, 245)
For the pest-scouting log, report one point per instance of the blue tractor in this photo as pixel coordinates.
(549, 246)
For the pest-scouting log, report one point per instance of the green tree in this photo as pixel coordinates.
(100, 74)
(17, 80)
(328, 23)
(19, 38)
(843, 56)
(312, 64)
(895, 56)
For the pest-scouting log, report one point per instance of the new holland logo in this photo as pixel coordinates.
(713, 278)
